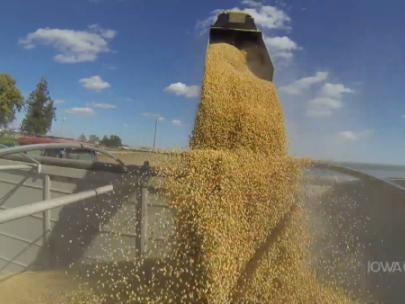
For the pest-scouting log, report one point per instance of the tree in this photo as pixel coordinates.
(41, 111)
(82, 138)
(105, 141)
(93, 139)
(113, 141)
(11, 99)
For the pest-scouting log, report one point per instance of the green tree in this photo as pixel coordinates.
(105, 141)
(82, 138)
(11, 99)
(113, 141)
(93, 139)
(41, 111)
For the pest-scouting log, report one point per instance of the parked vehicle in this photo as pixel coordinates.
(82, 153)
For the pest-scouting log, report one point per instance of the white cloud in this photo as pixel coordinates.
(59, 101)
(301, 85)
(348, 135)
(268, 17)
(353, 136)
(104, 106)
(203, 25)
(251, 3)
(335, 90)
(281, 47)
(177, 122)
(323, 106)
(153, 115)
(326, 102)
(85, 111)
(94, 83)
(181, 89)
(106, 33)
(73, 46)
(329, 100)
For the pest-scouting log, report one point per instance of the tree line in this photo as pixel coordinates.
(39, 106)
(40, 111)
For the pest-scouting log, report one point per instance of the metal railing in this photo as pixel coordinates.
(47, 203)
(28, 148)
(15, 167)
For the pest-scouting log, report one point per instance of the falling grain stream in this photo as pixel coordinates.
(240, 234)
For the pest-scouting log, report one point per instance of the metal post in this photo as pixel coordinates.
(61, 126)
(144, 220)
(155, 134)
(46, 215)
(136, 199)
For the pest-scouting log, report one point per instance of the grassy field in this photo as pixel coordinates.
(138, 157)
(7, 140)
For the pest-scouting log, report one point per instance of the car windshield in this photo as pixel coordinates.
(187, 152)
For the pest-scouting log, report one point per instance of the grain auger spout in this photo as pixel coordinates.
(239, 29)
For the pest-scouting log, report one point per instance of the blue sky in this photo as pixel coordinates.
(113, 66)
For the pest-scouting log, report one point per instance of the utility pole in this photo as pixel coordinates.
(155, 133)
(61, 126)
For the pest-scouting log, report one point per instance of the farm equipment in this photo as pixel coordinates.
(55, 212)
(81, 153)
(239, 29)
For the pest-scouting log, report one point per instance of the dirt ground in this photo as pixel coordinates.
(138, 157)
(35, 287)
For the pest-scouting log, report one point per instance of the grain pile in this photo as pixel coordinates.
(239, 231)
(239, 236)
